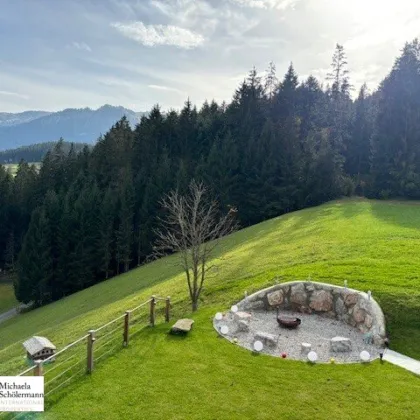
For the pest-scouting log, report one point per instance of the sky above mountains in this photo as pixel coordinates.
(135, 53)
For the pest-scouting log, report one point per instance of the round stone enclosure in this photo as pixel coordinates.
(352, 307)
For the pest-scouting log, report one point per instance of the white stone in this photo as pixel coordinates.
(269, 340)
(306, 348)
(340, 344)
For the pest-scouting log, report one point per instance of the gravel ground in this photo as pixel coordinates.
(314, 329)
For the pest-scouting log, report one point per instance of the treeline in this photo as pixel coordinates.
(278, 146)
(35, 152)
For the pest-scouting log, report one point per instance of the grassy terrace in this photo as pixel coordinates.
(374, 245)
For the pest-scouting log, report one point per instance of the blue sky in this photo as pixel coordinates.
(58, 54)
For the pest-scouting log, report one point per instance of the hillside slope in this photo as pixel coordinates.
(374, 245)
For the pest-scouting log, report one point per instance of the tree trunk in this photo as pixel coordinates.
(194, 305)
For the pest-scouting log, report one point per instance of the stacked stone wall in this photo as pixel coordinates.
(350, 306)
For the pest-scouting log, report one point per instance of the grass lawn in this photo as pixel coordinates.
(7, 297)
(205, 377)
(373, 245)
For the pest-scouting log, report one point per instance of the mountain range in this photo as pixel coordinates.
(83, 125)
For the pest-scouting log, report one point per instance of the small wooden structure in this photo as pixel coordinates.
(38, 348)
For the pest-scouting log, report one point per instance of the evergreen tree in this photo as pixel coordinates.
(35, 262)
(396, 151)
(105, 242)
(340, 104)
(358, 148)
(5, 210)
(124, 233)
(52, 208)
(271, 82)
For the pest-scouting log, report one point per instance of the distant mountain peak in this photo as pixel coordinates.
(80, 125)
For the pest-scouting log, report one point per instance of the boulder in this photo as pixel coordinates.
(298, 295)
(351, 299)
(275, 298)
(305, 310)
(368, 321)
(340, 344)
(254, 305)
(182, 326)
(321, 301)
(359, 314)
(242, 316)
(269, 340)
(243, 326)
(340, 308)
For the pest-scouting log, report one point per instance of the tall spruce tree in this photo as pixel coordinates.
(35, 262)
(396, 150)
(124, 233)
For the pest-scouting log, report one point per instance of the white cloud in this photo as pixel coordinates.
(153, 35)
(164, 88)
(15, 94)
(114, 82)
(81, 46)
(267, 4)
(404, 30)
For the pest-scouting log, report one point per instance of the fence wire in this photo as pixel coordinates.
(69, 363)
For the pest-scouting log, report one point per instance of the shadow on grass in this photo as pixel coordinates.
(176, 337)
(404, 214)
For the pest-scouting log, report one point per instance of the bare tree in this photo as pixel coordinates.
(192, 228)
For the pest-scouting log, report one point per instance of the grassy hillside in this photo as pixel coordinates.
(13, 167)
(7, 297)
(374, 245)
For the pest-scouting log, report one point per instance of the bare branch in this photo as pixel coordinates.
(192, 227)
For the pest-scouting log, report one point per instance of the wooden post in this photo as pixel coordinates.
(39, 368)
(90, 342)
(167, 308)
(152, 311)
(126, 328)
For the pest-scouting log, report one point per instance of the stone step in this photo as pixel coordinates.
(182, 326)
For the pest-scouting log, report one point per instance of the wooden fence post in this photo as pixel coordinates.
(167, 309)
(39, 368)
(126, 328)
(90, 342)
(152, 311)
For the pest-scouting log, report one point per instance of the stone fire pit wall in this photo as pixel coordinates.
(347, 305)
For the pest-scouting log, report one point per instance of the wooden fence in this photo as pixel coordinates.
(82, 355)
